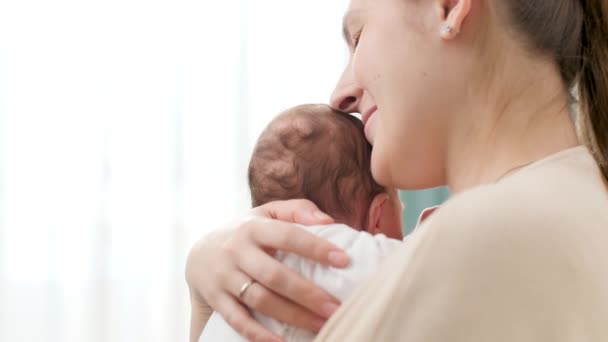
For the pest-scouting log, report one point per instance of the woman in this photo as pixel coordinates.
(473, 94)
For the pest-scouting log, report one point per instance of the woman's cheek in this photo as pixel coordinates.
(357, 69)
(365, 63)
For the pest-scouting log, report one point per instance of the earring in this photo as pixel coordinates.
(447, 29)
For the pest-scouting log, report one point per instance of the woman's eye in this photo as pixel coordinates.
(356, 38)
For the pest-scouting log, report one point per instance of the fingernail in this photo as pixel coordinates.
(319, 215)
(338, 259)
(329, 308)
(318, 323)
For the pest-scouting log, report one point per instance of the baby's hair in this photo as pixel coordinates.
(315, 153)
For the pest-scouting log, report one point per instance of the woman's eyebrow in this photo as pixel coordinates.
(345, 30)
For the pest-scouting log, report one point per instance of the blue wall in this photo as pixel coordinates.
(416, 201)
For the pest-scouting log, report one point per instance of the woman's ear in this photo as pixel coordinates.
(374, 213)
(454, 12)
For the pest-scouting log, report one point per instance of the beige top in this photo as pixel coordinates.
(522, 260)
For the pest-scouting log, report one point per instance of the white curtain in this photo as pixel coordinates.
(125, 132)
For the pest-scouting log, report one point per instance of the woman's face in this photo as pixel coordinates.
(399, 79)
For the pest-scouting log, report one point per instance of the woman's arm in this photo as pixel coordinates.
(199, 315)
(220, 263)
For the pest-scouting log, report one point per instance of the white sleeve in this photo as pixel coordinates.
(217, 329)
(365, 250)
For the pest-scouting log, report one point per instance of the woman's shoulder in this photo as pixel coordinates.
(550, 222)
(568, 180)
(530, 250)
(562, 196)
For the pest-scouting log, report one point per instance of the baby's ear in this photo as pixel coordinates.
(374, 213)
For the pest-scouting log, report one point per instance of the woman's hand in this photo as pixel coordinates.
(221, 263)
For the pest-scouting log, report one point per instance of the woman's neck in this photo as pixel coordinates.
(500, 136)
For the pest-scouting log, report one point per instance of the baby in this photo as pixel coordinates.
(316, 153)
(319, 154)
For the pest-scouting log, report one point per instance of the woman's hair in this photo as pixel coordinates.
(575, 34)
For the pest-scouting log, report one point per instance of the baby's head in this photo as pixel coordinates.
(316, 153)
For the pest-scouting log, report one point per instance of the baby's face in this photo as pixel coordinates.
(392, 216)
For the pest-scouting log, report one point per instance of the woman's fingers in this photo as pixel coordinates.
(286, 237)
(276, 277)
(304, 244)
(297, 211)
(270, 304)
(242, 248)
(241, 321)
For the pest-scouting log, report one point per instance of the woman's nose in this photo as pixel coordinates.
(347, 95)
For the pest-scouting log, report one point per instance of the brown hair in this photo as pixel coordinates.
(575, 34)
(316, 153)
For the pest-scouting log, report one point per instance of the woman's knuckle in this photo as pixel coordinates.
(233, 321)
(282, 238)
(229, 243)
(246, 224)
(302, 202)
(228, 251)
(292, 316)
(275, 278)
(257, 297)
(210, 295)
(319, 251)
(251, 334)
(252, 228)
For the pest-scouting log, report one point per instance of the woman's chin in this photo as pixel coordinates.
(370, 128)
(370, 137)
(380, 168)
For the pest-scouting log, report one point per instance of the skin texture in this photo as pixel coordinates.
(384, 215)
(459, 107)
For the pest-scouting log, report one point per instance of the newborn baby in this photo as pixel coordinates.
(322, 155)
(319, 154)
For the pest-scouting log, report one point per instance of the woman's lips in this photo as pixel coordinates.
(369, 121)
(365, 117)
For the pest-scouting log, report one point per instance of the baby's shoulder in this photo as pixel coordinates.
(349, 238)
(338, 234)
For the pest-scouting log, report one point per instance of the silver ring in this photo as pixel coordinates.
(245, 287)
